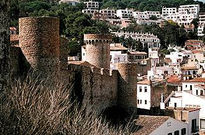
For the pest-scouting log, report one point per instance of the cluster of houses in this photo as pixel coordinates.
(183, 16)
(170, 88)
(172, 85)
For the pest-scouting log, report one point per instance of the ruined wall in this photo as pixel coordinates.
(98, 49)
(39, 40)
(95, 87)
(142, 69)
(156, 91)
(127, 92)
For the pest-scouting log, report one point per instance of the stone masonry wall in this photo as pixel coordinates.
(95, 87)
(39, 40)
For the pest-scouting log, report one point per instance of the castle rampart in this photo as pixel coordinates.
(98, 87)
(39, 40)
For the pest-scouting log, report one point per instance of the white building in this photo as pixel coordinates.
(118, 53)
(187, 115)
(168, 11)
(183, 16)
(108, 13)
(160, 125)
(201, 24)
(192, 95)
(189, 9)
(92, 4)
(148, 40)
(90, 12)
(146, 15)
(144, 94)
(72, 2)
(124, 13)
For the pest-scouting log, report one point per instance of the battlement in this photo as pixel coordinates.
(95, 38)
(93, 70)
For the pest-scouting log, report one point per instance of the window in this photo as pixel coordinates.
(201, 92)
(186, 86)
(145, 102)
(190, 87)
(197, 92)
(140, 87)
(176, 132)
(183, 131)
(193, 126)
(140, 101)
(145, 89)
(175, 104)
(202, 123)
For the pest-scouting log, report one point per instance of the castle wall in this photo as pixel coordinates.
(127, 85)
(39, 40)
(98, 49)
(96, 87)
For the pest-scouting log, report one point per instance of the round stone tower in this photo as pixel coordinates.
(39, 40)
(127, 86)
(98, 49)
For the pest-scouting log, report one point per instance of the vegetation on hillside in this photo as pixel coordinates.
(73, 23)
(142, 5)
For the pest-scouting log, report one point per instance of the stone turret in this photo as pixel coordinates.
(39, 40)
(98, 49)
(127, 89)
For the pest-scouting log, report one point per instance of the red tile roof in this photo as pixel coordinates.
(144, 82)
(174, 79)
(147, 124)
(196, 80)
(189, 68)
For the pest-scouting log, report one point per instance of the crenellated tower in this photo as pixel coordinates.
(98, 49)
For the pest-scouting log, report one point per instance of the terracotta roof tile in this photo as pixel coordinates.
(196, 80)
(147, 124)
(174, 79)
(145, 82)
(138, 53)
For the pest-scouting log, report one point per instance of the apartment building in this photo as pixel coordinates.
(90, 12)
(92, 4)
(146, 15)
(201, 24)
(124, 13)
(71, 2)
(108, 13)
(148, 40)
(184, 15)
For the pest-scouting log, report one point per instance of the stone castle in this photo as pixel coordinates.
(95, 85)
